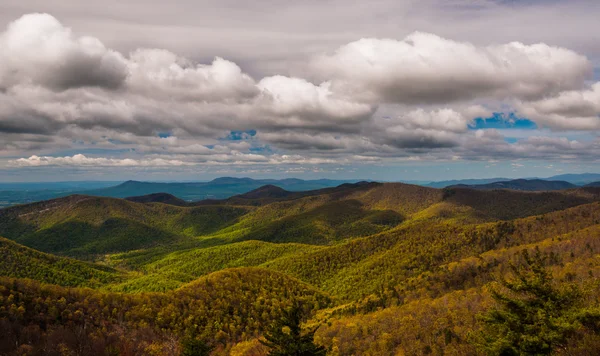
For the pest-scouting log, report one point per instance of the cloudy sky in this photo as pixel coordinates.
(380, 89)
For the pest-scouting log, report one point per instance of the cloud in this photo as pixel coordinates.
(80, 160)
(371, 101)
(298, 99)
(425, 68)
(155, 72)
(38, 49)
(571, 110)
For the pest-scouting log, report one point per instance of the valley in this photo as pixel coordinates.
(379, 268)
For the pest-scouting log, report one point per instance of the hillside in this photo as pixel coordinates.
(521, 184)
(79, 225)
(593, 184)
(158, 198)
(85, 227)
(225, 306)
(22, 262)
(369, 261)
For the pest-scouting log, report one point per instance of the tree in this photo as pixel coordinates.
(285, 337)
(195, 347)
(534, 316)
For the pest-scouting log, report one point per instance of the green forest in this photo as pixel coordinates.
(358, 269)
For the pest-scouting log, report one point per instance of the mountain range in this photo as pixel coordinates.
(405, 266)
(521, 184)
(221, 188)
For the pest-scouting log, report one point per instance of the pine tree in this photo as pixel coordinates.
(285, 337)
(534, 316)
(195, 347)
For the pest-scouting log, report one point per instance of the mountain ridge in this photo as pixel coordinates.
(521, 184)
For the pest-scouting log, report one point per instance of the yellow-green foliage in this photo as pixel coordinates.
(22, 262)
(407, 267)
(87, 226)
(184, 266)
(227, 306)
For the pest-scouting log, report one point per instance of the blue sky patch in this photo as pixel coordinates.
(240, 135)
(503, 121)
(260, 149)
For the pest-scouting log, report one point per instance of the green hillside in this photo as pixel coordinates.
(404, 267)
(180, 267)
(82, 226)
(226, 306)
(22, 262)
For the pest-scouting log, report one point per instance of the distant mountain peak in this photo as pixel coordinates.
(266, 191)
(131, 182)
(231, 180)
(158, 198)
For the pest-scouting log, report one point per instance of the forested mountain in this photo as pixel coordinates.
(378, 268)
(219, 188)
(521, 184)
(448, 183)
(578, 179)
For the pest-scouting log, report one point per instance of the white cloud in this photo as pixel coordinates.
(84, 161)
(571, 110)
(38, 49)
(425, 68)
(155, 72)
(373, 100)
(300, 99)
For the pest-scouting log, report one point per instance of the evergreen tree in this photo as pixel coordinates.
(534, 316)
(195, 347)
(285, 337)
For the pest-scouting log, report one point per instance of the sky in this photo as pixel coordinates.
(383, 89)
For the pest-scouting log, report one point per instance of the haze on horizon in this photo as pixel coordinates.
(390, 90)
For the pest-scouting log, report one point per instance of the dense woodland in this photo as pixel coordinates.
(368, 268)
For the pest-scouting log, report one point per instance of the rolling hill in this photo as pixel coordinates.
(22, 262)
(226, 306)
(379, 268)
(82, 226)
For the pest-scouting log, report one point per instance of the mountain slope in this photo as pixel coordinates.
(389, 268)
(22, 262)
(180, 267)
(164, 198)
(521, 184)
(81, 225)
(224, 306)
(85, 227)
